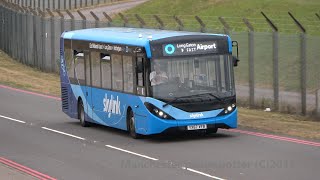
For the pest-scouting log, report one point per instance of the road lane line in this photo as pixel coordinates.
(130, 152)
(25, 169)
(202, 173)
(60, 132)
(12, 119)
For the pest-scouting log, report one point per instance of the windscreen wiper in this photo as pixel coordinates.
(175, 99)
(194, 95)
(215, 96)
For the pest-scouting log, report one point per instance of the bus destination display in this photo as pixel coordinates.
(192, 48)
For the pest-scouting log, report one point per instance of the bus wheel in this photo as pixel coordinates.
(132, 127)
(83, 122)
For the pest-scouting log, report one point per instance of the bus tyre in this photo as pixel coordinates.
(132, 127)
(83, 122)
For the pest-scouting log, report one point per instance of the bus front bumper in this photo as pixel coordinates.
(157, 125)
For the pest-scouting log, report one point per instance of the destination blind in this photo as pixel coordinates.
(189, 48)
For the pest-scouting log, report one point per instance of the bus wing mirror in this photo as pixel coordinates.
(235, 61)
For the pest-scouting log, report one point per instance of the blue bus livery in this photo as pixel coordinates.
(148, 81)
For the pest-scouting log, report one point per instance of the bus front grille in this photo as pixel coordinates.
(64, 96)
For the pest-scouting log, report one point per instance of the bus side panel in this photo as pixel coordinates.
(110, 109)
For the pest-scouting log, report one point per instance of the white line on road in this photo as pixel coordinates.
(202, 173)
(123, 150)
(63, 133)
(16, 120)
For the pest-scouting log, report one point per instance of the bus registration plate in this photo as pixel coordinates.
(196, 127)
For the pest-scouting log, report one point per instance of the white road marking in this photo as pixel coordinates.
(16, 120)
(130, 152)
(63, 133)
(202, 173)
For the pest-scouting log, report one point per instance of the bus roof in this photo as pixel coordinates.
(129, 36)
(126, 36)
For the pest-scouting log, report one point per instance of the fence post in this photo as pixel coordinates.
(202, 24)
(96, 19)
(275, 41)
(84, 23)
(159, 20)
(303, 66)
(72, 19)
(107, 17)
(69, 5)
(61, 20)
(226, 26)
(141, 21)
(318, 16)
(124, 19)
(318, 102)
(251, 62)
(43, 37)
(179, 22)
(53, 47)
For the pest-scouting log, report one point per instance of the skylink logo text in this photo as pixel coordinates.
(196, 115)
(111, 106)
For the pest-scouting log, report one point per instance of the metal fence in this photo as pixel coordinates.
(277, 70)
(59, 4)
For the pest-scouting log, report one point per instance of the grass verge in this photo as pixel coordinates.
(15, 74)
(20, 76)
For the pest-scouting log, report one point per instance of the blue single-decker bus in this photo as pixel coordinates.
(148, 81)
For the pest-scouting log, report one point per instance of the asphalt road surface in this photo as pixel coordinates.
(35, 133)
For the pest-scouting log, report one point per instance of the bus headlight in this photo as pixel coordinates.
(157, 112)
(228, 110)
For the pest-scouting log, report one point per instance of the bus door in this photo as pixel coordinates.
(88, 94)
(141, 90)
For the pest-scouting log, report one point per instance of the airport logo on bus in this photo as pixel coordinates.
(196, 115)
(111, 105)
(169, 48)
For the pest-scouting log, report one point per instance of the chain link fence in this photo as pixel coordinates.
(277, 70)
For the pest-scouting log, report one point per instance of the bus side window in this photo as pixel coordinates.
(117, 78)
(106, 71)
(68, 56)
(128, 74)
(95, 67)
(78, 56)
(140, 76)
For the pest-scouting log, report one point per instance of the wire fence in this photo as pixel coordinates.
(277, 70)
(60, 4)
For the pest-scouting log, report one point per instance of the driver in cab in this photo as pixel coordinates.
(157, 76)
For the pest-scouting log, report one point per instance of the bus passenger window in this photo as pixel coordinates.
(69, 62)
(79, 66)
(105, 70)
(128, 74)
(140, 71)
(117, 79)
(95, 68)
